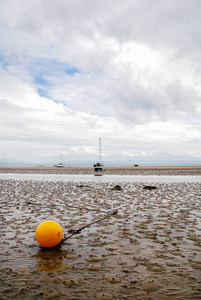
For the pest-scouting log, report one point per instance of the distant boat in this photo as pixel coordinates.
(136, 164)
(61, 164)
(99, 167)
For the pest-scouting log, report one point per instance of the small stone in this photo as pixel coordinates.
(150, 286)
(117, 188)
(112, 278)
(149, 187)
(70, 282)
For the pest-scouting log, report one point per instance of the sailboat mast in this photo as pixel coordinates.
(100, 150)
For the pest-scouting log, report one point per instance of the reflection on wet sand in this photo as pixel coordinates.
(149, 250)
(50, 260)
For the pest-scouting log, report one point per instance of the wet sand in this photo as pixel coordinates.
(151, 249)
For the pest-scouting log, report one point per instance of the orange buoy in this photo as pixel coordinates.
(49, 234)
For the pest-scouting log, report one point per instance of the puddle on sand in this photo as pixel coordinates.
(149, 250)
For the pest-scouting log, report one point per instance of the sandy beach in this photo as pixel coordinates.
(151, 249)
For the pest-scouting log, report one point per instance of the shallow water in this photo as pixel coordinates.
(150, 250)
(105, 178)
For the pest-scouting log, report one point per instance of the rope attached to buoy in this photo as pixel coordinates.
(77, 231)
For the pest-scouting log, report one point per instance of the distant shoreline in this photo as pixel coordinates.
(109, 167)
(109, 170)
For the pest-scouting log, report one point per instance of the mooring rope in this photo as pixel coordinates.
(77, 231)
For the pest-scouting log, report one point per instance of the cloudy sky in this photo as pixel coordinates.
(72, 71)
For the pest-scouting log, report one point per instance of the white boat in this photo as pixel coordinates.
(98, 169)
(61, 164)
(99, 166)
(136, 164)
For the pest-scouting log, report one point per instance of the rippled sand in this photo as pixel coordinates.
(150, 250)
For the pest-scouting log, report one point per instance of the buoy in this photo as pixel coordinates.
(49, 234)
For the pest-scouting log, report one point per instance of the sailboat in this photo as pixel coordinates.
(99, 167)
(61, 164)
(136, 164)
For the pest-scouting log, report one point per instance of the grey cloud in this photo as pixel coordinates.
(160, 22)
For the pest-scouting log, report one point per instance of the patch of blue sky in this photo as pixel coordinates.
(42, 71)
(58, 66)
(43, 93)
(3, 62)
(72, 71)
(39, 79)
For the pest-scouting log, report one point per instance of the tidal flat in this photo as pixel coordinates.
(151, 249)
